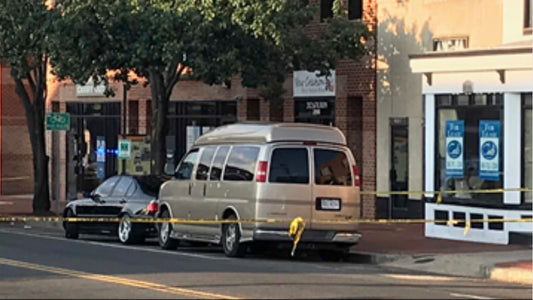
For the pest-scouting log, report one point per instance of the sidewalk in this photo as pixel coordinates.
(402, 246)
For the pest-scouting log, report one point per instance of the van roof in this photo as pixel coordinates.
(272, 132)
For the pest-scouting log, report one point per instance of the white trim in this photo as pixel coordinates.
(429, 172)
(512, 139)
(483, 235)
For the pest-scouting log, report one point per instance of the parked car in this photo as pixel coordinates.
(123, 197)
(265, 171)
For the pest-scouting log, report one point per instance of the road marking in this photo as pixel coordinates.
(468, 296)
(117, 246)
(6, 203)
(420, 277)
(116, 280)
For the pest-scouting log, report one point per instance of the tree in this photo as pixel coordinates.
(24, 26)
(164, 40)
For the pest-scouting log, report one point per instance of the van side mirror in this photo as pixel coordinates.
(169, 169)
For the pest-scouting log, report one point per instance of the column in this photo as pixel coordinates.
(512, 140)
(429, 152)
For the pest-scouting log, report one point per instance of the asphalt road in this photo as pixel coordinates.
(40, 263)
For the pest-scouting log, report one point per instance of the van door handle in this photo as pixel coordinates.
(205, 187)
(190, 187)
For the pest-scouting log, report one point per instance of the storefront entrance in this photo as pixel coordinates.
(190, 119)
(399, 173)
(90, 144)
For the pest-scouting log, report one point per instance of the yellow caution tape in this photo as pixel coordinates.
(243, 221)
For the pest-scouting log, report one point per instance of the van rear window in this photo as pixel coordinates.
(241, 164)
(289, 165)
(332, 168)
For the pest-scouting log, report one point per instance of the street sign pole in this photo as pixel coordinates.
(57, 122)
(58, 165)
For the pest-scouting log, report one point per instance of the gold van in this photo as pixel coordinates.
(265, 171)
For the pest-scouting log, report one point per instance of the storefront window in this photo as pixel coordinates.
(527, 150)
(463, 123)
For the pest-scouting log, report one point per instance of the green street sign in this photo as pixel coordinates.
(58, 121)
(124, 149)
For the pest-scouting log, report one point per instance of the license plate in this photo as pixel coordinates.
(329, 204)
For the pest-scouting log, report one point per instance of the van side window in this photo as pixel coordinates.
(289, 165)
(332, 167)
(220, 157)
(241, 163)
(205, 163)
(185, 168)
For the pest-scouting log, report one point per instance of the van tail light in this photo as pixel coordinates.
(261, 175)
(356, 178)
(152, 207)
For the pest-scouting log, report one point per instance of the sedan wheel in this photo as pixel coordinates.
(126, 231)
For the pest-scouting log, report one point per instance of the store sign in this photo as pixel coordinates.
(100, 157)
(87, 90)
(316, 106)
(454, 149)
(489, 139)
(309, 84)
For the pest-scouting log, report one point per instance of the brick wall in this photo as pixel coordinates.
(16, 158)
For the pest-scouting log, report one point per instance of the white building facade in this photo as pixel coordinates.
(478, 132)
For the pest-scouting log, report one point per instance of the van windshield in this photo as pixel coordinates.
(332, 167)
(289, 165)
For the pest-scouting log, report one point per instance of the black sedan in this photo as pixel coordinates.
(122, 197)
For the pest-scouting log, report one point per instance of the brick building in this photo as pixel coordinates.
(96, 121)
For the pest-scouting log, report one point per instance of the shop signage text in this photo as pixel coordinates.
(489, 139)
(89, 89)
(454, 149)
(309, 84)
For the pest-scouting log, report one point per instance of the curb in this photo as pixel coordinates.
(372, 258)
(510, 274)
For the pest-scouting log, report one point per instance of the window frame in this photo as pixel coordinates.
(494, 100)
(223, 166)
(525, 106)
(254, 169)
(193, 175)
(360, 12)
(203, 151)
(527, 18)
(326, 14)
(309, 164)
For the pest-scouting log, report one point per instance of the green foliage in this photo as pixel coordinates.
(24, 28)
(261, 40)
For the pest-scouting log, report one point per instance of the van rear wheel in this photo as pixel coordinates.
(164, 233)
(231, 235)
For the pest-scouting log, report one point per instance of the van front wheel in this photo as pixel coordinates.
(231, 235)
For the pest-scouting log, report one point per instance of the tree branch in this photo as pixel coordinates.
(175, 80)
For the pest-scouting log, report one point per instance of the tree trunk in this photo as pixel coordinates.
(35, 118)
(160, 102)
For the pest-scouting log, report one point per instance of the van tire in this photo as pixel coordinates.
(164, 231)
(231, 235)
